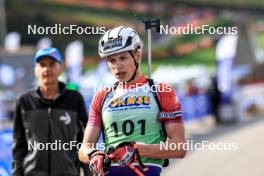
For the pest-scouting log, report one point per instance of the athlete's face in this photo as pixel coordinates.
(122, 65)
(47, 71)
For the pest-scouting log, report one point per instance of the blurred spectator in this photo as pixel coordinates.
(215, 100)
(191, 88)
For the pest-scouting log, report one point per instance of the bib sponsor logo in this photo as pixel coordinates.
(130, 101)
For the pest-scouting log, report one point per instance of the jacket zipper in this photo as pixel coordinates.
(49, 141)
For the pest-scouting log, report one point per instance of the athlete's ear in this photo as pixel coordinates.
(137, 55)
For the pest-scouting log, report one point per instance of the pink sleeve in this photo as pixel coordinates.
(170, 105)
(95, 109)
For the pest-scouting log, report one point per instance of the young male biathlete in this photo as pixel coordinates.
(132, 117)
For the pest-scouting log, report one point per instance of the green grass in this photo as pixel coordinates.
(260, 40)
(203, 57)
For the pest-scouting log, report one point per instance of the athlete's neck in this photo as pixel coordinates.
(137, 77)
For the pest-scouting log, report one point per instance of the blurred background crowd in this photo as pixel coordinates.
(218, 78)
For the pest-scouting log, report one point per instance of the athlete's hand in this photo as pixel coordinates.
(99, 163)
(124, 153)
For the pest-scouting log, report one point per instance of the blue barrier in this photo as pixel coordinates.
(5, 152)
(196, 106)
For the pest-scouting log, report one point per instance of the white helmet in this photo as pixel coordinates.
(118, 40)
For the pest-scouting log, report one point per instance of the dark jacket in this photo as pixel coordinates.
(45, 122)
